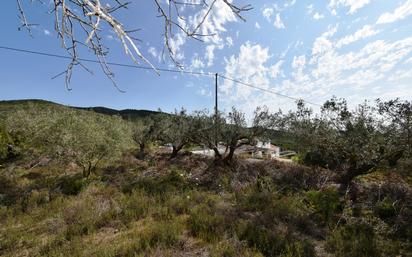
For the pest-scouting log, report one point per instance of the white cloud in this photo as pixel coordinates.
(213, 25)
(46, 32)
(358, 69)
(153, 51)
(298, 62)
(268, 13)
(175, 44)
(409, 61)
(318, 16)
(310, 9)
(210, 53)
(400, 75)
(250, 66)
(354, 5)
(257, 25)
(229, 41)
(323, 43)
(400, 13)
(365, 32)
(290, 3)
(196, 63)
(278, 22)
(203, 91)
(215, 22)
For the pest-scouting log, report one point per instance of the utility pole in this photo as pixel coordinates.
(216, 112)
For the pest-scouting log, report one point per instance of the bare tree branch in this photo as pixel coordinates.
(92, 17)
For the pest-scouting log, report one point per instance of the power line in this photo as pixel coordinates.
(159, 69)
(267, 90)
(109, 63)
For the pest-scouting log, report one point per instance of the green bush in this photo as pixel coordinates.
(163, 187)
(353, 240)
(384, 209)
(136, 205)
(326, 203)
(9, 191)
(165, 233)
(93, 208)
(4, 142)
(206, 224)
(299, 249)
(272, 243)
(71, 185)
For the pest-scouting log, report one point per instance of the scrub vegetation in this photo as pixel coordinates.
(75, 182)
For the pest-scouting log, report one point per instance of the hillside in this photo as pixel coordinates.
(10, 105)
(75, 182)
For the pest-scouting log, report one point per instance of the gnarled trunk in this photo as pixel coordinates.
(176, 150)
(229, 157)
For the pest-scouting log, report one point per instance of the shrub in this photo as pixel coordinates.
(299, 249)
(233, 248)
(135, 206)
(93, 208)
(384, 209)
(9, 191)
(206, 224)
(326, 203)
(71, 185)
(163, 186)
(353, 240)
(35, 199)
(165, 233)
(273, 243)
(4, 143)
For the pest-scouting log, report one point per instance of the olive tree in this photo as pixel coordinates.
(235, 131)
(397, 116)
(89, 138)
(353, 142)
(229, 130)
(66, 135)
(204, 132)
(175, 130)
(145, 131)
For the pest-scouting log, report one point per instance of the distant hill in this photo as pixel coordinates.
(127, 113)
(9, 105)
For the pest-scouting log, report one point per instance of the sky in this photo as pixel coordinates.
(355, 49)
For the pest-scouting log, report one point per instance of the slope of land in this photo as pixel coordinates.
(192, 206)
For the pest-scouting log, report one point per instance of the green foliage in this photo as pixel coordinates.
(175, 130)
(273, 243)
(96, 207)
(166, 233)
(206, 224)
(353, 240)
(136, 205)
(81, 137)
(158, 207)
(5, 140)
(71, 185)
(353, 141)
(326, 203)
(173, 182)
(385, 209)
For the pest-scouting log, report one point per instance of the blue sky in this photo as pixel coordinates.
(358, 49)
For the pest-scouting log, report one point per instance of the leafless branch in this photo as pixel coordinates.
(91, 17)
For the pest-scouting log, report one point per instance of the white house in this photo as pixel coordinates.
(265, 149)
